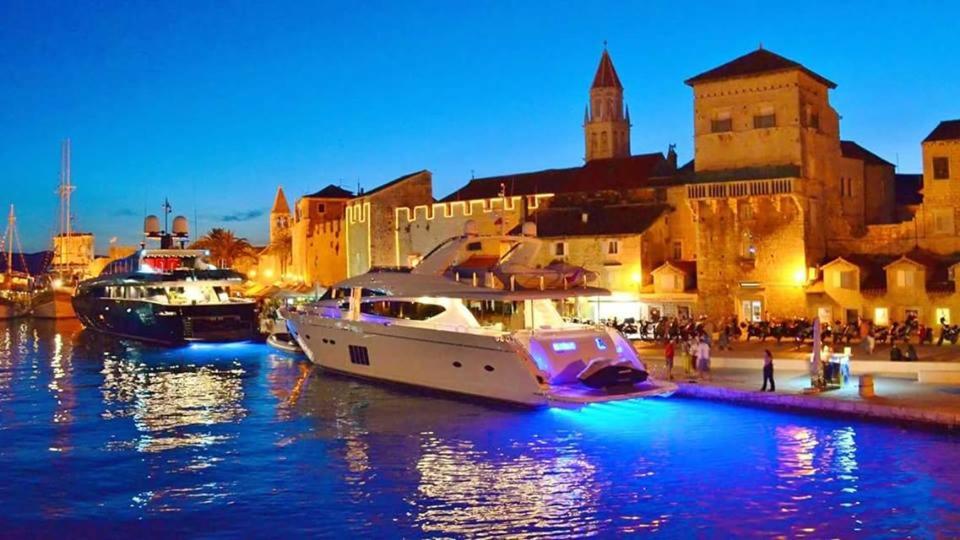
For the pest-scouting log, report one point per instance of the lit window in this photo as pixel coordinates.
(748, 249)
(881, 316)
(905, 278)
(941, 168)
(563, 346)
(613, 247)
(601, 346)
(943, 315)
(678, 250)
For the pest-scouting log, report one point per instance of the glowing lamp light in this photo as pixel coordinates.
(800, 276)
(57, 283)
(252, 274)
(563, 346)
(636, 277)
(268, 273)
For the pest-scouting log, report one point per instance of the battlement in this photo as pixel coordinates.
(461, 209)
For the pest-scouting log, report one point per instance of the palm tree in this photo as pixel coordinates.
(224, 246)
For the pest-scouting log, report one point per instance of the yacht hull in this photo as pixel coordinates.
(53, 305)
(467, 364)
(11, 310)
(166, 324)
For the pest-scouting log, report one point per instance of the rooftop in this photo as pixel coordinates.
(758, 62)
(606, 76)
(948, 130)
(607, 220)
(280, 205)
(850, 149)
(331, 192)
(596, 175)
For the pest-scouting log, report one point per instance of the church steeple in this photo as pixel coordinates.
(279, 217)
(607, 124)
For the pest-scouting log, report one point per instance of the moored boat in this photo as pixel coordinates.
(170, 296)
(498, 340)
(14, 284)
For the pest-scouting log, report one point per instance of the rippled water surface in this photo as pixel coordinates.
(104, 437)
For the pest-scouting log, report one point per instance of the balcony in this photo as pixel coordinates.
(742, 188)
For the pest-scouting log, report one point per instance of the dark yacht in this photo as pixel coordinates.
(170, 295)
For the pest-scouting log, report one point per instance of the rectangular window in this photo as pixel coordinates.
(613, 247)
(905, 278)
(941, 168)
(678, 282)
(321, 208)
(678, 251)
(943, 221)
(814, 121)
(764, 121)
(881, 316)
(560, 249)
(745, 209)
(943, 315)
(845, 279)
(721, 122)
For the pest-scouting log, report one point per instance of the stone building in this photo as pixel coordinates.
(371, 220)
(318, 237)
(775, 216)
(274, 261)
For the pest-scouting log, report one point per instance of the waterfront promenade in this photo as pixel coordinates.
(903, 391)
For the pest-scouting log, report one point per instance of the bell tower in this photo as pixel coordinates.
(606, 122)
(279, 217)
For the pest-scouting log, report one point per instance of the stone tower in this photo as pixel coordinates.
(606, 122)
(279, 217)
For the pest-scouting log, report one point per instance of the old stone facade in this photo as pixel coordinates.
(371, 220)
(773, 204)
(318, 242)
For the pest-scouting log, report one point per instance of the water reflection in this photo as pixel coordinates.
(465, 490)
(173, 398)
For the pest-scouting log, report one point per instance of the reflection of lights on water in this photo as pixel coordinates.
(465, 491)
(163, 402)
(796, 446)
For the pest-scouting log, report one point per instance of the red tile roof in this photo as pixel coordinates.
(948, 130)
(607, 220)
(757, 62)
(280, 205)
(331, 192)
(850, 149)
(596, 175)
(606, 76)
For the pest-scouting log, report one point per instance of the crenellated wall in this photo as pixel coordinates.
(421, 228)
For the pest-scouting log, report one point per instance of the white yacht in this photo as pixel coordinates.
(454, 325)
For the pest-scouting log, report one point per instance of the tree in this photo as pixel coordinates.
(224, 246)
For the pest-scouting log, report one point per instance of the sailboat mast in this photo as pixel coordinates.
(66, 189)
(11, 220)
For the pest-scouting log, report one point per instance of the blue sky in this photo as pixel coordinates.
(214, 104)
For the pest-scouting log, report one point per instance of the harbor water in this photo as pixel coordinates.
(105, 437)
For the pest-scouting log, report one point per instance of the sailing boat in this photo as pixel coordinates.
(14, 284)
(70, 258)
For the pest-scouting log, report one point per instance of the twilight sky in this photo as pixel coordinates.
(214, 104)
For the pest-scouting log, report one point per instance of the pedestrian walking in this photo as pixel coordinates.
(668, 352)
(768, 371)
(703, 360)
